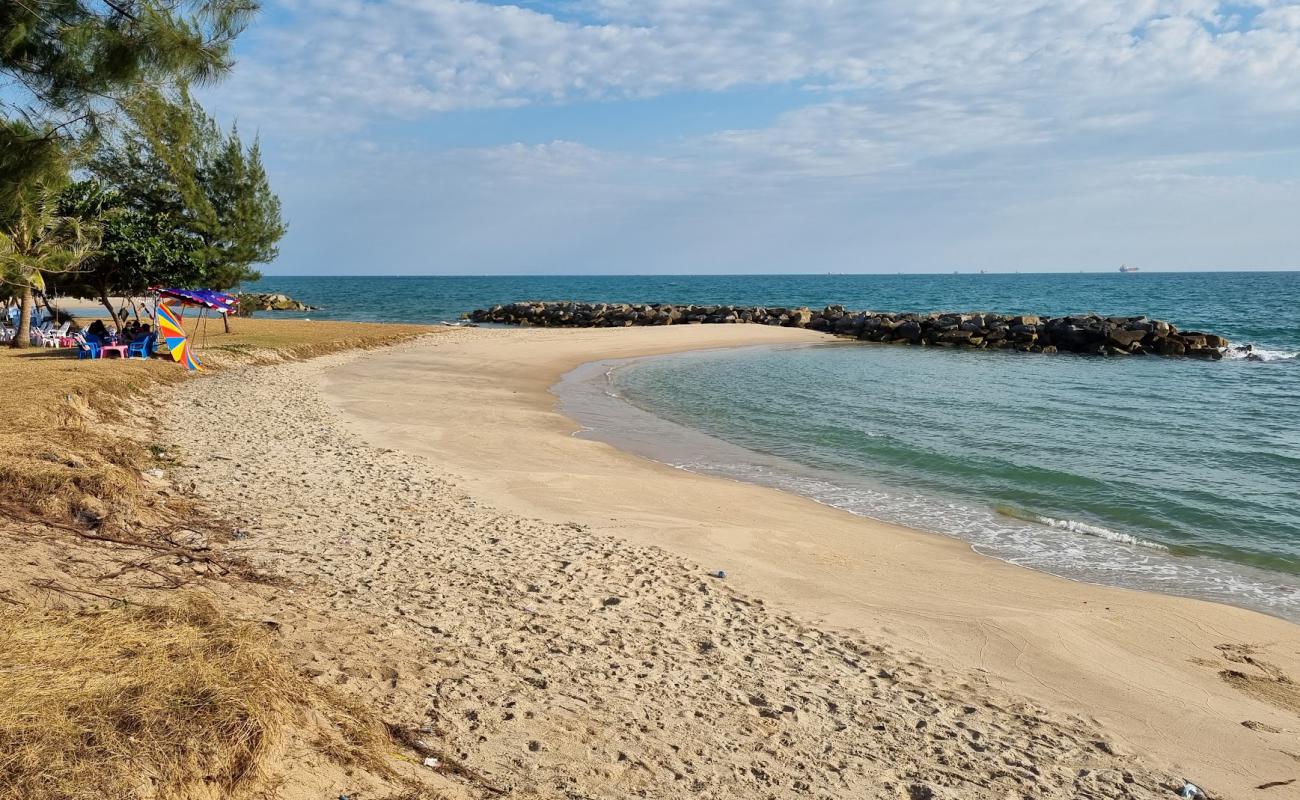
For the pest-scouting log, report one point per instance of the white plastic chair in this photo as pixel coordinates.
(50, 337)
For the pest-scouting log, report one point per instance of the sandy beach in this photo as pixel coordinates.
(543, 602)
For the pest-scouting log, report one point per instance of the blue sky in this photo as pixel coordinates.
(648, 136)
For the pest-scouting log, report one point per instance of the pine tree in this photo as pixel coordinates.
(248, 225)
(174, 161)
(68, 65)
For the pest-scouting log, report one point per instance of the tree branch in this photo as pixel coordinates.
(119, 9)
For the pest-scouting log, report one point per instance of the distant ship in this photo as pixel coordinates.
(1127, 268)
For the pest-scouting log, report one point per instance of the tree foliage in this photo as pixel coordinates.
(175, 162)
(42, 241)
(137, 249)
(67, 66)
(70, 56)
(176, 199)
(30, 163)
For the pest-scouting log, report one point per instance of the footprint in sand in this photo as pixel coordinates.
(1267, 683)
(1262, 727)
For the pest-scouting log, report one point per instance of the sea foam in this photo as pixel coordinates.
(1260, 354)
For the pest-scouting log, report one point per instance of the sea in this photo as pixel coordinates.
(1173, 475)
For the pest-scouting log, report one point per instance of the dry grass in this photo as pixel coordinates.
(262, 339)
(59, 458)
(139, 702)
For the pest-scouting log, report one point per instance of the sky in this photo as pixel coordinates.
(774, 136)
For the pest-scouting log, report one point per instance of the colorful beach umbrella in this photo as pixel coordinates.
(173, 333)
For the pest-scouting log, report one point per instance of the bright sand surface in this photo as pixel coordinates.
(1191, 687)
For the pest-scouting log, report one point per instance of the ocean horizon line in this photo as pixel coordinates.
(1059, 273)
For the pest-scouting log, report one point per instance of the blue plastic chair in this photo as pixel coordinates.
(142, 347)
(88, 347)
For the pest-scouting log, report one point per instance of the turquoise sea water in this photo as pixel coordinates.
(1177, 475)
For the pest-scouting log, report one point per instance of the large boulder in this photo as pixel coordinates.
(1170, 346)
(909, 330)
(1124, 339)
(954, 336)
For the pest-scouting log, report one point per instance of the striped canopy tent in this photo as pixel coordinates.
(170, 310)
(220, 302)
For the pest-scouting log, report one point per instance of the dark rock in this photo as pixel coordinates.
(954, 336)
(1124, 339)
(910, 330)
(249, 303)
(1170, 347)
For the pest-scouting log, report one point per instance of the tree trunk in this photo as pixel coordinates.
(225, 320)
(102, 296)
(108, 304)
(23, 336)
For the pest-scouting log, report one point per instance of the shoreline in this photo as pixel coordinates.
(1145, 666)
(588, 396)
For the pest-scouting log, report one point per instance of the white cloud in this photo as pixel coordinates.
(893, 83)
(411, 57)
(958, 120)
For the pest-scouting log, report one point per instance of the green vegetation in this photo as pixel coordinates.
(138, 249)
(72, 63)
(38, 242)
(102, 98)
(182, 177)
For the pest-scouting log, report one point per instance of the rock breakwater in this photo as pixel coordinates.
(248, 303)
(1083, 333)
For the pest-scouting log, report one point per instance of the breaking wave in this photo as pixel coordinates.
(1260, 354)
(1075, 526)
